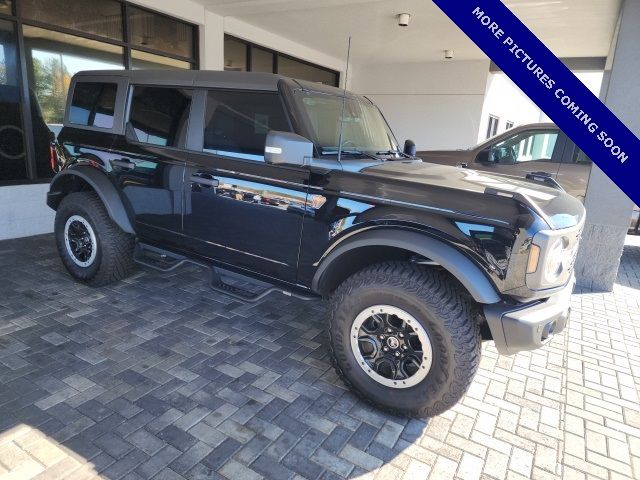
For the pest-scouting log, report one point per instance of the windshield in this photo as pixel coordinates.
(364, 127)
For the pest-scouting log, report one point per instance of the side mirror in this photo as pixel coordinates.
(130, 133)
(286, 148)
(410, 148)
(483, 156)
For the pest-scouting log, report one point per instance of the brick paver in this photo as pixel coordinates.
(159, 377)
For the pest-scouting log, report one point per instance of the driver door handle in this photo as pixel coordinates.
(210, 182)
(462, 165)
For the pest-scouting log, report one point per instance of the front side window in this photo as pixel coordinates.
(160, 115)
(93, 104)
(364, 129)
(236, 123)
(525, 147)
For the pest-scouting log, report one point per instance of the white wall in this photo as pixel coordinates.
(212, 42)
(436, 104)
(507, 102)
(24, 211)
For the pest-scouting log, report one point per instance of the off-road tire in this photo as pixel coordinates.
(114, 253)
(444, 311)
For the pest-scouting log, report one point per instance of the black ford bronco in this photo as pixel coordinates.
(304, 189)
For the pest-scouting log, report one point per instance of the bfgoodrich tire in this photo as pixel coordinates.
(92, 247)
(405, 338)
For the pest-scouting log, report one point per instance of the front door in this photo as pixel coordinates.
(150, 167)
(239, 210)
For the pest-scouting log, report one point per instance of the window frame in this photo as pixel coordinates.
(118, 111)
(119, 108)
(191, 124)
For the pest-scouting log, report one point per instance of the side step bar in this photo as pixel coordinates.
(165, 261)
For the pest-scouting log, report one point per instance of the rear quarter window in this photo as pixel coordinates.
(93, 104)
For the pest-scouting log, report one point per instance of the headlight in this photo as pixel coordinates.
(555, 260)
(551, 257)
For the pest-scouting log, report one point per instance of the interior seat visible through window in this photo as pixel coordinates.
(159, 115)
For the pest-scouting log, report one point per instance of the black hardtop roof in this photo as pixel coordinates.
(209, 78)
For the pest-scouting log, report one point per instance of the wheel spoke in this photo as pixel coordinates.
(80, 240)
(390, 345)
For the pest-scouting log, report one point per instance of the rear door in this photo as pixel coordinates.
(149, 164)
(239, 210)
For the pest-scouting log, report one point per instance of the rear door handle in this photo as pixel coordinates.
(462, 165)
(124, 163)
(210, 182)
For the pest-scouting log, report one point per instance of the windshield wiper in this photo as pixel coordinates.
(352, 152)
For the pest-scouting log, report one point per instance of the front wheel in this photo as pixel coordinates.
(405, 338)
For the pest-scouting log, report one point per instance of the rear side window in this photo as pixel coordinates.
(160, 115)
(93, 104)
(237, 123)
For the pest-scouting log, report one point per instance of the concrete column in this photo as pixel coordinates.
(212, 42)
(608, 208)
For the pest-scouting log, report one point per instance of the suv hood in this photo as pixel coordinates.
(557, 208)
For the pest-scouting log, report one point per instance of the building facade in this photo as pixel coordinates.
(43, 43)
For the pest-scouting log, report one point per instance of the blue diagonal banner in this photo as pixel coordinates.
(552, 86)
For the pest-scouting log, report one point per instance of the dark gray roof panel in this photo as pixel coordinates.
(200, 78)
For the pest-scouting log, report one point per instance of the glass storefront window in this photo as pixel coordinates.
(295, 69)
(61, 38)
(97, 17)
(158, 32)
(261, 60)
(55, 57)
(12, 147)
(141, 60)
(6, 7)
(235, 55)
(242, 56)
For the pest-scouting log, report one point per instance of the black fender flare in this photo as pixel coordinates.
(455, 262)
(102, 186)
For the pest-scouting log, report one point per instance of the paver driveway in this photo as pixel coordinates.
(159, 377)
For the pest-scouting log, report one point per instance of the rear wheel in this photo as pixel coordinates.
(92, 247)
(405, 338)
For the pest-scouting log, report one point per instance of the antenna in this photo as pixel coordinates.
(344, 100)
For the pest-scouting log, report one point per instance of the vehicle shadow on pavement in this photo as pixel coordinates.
(158, 376)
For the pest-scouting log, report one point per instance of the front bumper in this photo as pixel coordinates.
(527, 327)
